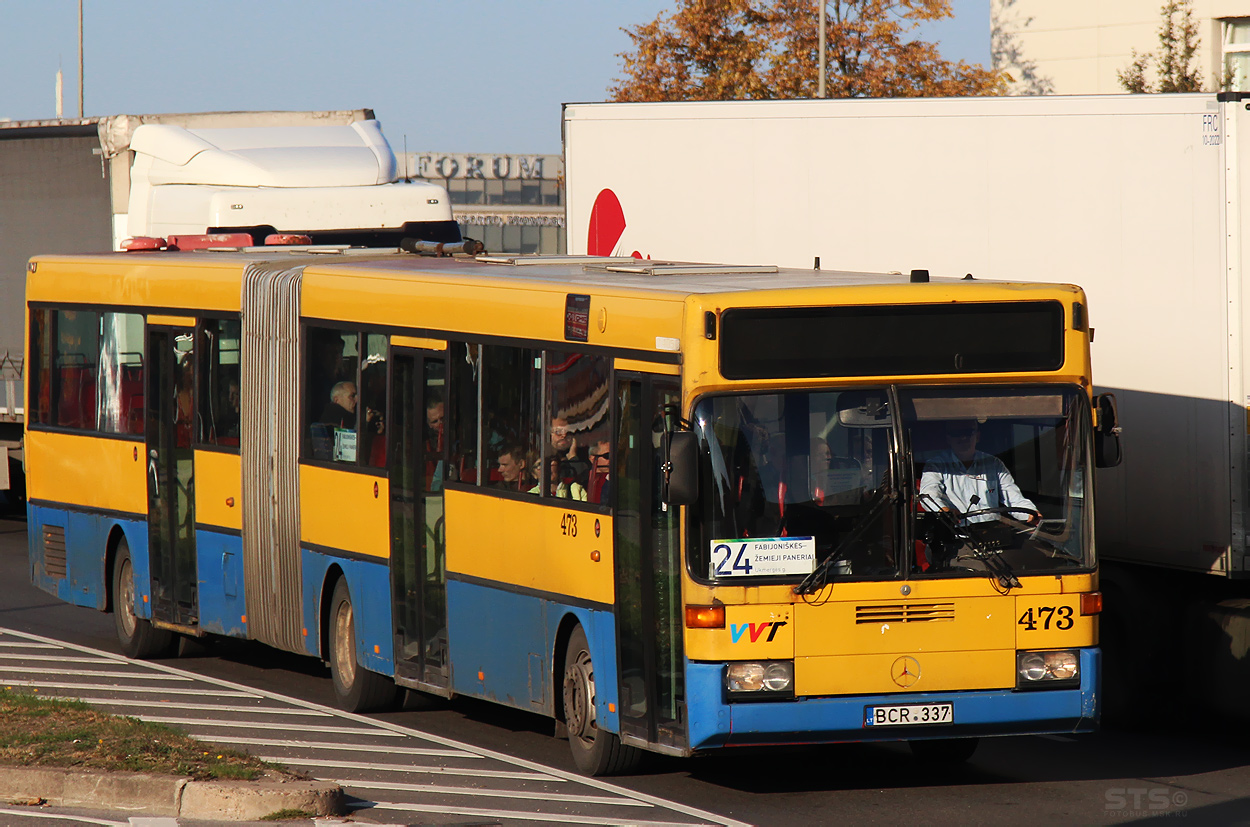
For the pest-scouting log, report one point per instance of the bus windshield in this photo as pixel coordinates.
(891, 482)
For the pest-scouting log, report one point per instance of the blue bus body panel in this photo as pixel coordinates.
(510, 638)
(219, 567)
(715, 723)
(369, 584)
(86, 544)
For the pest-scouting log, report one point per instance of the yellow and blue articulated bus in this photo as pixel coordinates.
(674, 507)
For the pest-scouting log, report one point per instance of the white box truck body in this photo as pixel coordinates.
(1138, 199)
(86, 185)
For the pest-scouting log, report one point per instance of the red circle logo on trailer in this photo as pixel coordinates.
(607, 223)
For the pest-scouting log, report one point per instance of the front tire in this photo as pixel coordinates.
(137, 636)
(356, 689)
(595, 752)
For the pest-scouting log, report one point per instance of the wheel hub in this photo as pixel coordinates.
(579, 697)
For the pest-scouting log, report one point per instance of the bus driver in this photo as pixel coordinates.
(963, 479)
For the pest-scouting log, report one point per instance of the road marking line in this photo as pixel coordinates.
(410, 732)
(99, 687)
(262, 710)
(63, 817)
(441, 753)
(565, 819)
(89, 673)
(194, 722)
(56, 658)
(615, 801)
(22, 644)
(513, 774)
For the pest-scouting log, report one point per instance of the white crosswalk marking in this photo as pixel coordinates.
(522, 791)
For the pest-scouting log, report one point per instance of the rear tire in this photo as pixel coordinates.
(356, 689)
(944, 750)
(595, 752)
(137, 636)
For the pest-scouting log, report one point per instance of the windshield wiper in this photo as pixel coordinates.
(819, 578)
(994, 562)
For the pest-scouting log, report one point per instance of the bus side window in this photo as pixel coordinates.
(77, 357)
(461, 411)
(221, 399)
(120, 383)
(578, 402)
(39, 366)
(373, 405)
(333, 394)
(511, 391)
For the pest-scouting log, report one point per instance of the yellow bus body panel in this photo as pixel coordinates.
(140, 280)
(87, 471)
(966, 635)
(524, 544)
(506, 307)
(872, 674)
(218, 490)
(345, 510)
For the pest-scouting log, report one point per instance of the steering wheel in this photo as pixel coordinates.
(1035, 517)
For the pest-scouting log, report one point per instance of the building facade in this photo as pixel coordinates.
(1080, 46)
(511, 203)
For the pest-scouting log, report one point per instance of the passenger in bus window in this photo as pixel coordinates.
(184, 413)
(340, 411)
(231, 420)
(600, 487)
(512, 465)
(574, 459)
(558, 486)
(435, 416)
(963, 479)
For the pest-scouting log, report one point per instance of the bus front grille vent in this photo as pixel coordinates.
(54, 551)
(905, 613)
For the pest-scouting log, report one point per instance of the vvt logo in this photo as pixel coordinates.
(737, 630)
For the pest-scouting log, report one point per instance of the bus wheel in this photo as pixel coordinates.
(138, 637)
(944, 750)
(595, 752)
(356, 689)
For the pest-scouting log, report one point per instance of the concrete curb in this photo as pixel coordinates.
(167, 795)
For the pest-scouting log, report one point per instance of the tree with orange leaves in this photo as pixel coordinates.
(756, 49)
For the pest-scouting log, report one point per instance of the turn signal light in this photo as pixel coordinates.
(1091, 604)
(705, 617)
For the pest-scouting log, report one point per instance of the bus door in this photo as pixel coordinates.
(416, 466)
(171, 494)
(648, 568)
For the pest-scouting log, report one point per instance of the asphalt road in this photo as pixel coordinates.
(1199, 771)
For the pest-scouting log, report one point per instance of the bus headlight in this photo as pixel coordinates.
(760, 679)
(1047, 669)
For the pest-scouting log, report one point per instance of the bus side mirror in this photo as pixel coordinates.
(1107, 450)
(681, 467)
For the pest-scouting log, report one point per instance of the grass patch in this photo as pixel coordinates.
(55, 732)
(288, 815)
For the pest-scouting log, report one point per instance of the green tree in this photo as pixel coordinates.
(753, 49)
(1174, 61)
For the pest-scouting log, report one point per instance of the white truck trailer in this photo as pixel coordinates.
(85, 185)
(1141, 200)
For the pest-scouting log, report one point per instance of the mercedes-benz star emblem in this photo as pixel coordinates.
(905, 671)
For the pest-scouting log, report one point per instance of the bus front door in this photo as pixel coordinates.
(171, 494)
(648, 569)
(416, 464)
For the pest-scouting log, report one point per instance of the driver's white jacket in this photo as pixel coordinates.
(950, 484)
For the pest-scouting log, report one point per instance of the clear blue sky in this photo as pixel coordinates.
(451, 75)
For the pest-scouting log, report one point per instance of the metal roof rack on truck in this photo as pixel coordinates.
(529, 258)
